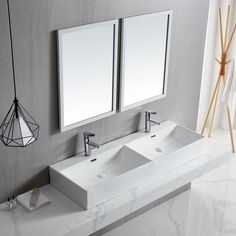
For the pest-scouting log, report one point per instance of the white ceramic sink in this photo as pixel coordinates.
(101, 177)
(125, 163)
(175, 141)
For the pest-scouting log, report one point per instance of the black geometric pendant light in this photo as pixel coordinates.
(18, 128)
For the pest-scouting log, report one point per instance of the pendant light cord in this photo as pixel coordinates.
(12, 54)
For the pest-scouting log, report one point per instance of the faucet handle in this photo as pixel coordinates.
(88, 134)
(151, 112)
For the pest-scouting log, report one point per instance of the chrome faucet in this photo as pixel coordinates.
(88, 144)
(148, 120)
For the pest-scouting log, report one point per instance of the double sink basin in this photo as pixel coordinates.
(125, 164)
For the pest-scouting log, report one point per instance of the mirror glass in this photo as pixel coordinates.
(87, 71)
(144, 59)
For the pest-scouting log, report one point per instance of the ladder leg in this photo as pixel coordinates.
(214, 110)
(230, 124)
(212, 100)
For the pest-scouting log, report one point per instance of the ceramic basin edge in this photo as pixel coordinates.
(86, 182)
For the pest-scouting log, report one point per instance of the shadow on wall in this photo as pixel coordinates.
(53, 97)
(36, 181)
(73, 146)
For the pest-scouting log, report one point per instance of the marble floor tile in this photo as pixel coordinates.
(168, 218)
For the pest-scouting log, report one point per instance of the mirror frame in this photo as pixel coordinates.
(122, 62)
(60, 32)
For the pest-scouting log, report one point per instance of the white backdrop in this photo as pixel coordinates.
(211, 67)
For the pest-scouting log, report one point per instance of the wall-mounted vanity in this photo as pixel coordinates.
(89, 56)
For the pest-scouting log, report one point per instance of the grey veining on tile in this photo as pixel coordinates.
(100, 216)
(224, 216)
(167, 219)
(34, 25)
(208, 209)
(179, 229)
(132, 214)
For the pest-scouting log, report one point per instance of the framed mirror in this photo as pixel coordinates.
(144, 59)
(87, 73)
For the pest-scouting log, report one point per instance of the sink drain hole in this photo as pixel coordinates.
(101, 175)
(158, 149)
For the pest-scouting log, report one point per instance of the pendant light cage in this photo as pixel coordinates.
(18, 128)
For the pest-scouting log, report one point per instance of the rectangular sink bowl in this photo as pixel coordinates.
(173, 145)
(92, 181)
